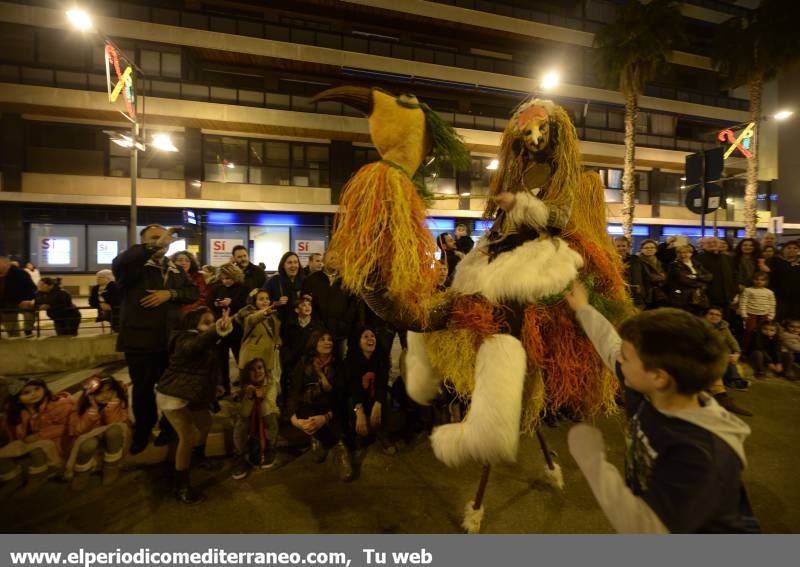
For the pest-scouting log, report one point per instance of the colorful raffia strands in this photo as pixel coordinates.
(574, 376)
(381, 235)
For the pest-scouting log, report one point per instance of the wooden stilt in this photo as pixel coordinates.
(548, 457)
(473, 513)
(482, 486)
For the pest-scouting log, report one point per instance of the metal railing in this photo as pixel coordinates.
(29, 323)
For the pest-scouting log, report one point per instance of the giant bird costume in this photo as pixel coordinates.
(502, 337)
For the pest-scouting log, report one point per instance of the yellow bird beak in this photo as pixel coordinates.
(359, 98)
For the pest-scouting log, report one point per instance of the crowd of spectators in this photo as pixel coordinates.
(750, 296)
(305, 361)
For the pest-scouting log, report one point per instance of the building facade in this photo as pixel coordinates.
(258, 162)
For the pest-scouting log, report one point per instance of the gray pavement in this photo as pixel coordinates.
(410, 492)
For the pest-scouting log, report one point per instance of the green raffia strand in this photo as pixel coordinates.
(614, 311)
(418, 180)
(448, 145)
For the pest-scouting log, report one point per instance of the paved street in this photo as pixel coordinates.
(406, 492)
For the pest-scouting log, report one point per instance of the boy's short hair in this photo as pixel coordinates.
(713, 308)
(763, 275)
(686, 347)
(622, 239)
(298, 302)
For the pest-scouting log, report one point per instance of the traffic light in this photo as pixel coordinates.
(703, 174)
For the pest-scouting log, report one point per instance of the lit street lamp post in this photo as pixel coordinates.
(125, 86)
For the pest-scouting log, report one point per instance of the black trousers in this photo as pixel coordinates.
(146, 369)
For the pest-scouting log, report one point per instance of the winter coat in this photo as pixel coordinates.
(295, 339)
(261, 338)
(464, 244)
(723, 286)
(633, 277)
(15, 287)
(307, 397)
(60, 307)
(367, 378)
(744, 269)
(111, 295)
(785, 282)
(790, 342)
(254, 277)
(147, 329)
(771, 347)
(202, 290)
(688, 290)
(49, 423)
(724, 330)
(237, 294)
(114, 411)
(280, 285)
(194, 370)
(652, 278)
(666, 255)
(335, 307)
(266, 395)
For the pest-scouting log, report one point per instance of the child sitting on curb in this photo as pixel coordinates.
(685, 453)
(101, 419)
(256, 429)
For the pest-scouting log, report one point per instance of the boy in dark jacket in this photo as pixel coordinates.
(685, 453)
(152, 289)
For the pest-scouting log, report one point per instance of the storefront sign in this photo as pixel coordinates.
(58, 251)
(106, 251)
(306, 247)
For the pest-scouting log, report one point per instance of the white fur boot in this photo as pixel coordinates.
(422, 383)
(490, 432)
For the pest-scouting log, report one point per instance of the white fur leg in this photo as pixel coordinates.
(554, 477)
(473, 518)
(490, 432)
(422, 383)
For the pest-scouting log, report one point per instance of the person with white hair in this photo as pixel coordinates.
(105, 297)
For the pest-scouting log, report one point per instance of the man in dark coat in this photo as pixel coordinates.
(152, 290)
(633, 270)
(722, 288)
(254, 276)
(785, 280)
(16, 292)
(332, 305)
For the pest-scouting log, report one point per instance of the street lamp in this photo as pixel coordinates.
(550, 80)
(82, 21)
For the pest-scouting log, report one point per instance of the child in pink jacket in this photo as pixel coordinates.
(101, 420)
(36, 427)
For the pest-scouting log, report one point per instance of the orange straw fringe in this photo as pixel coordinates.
(381, 236)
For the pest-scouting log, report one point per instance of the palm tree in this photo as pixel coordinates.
(750, 50)
(631, 52)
